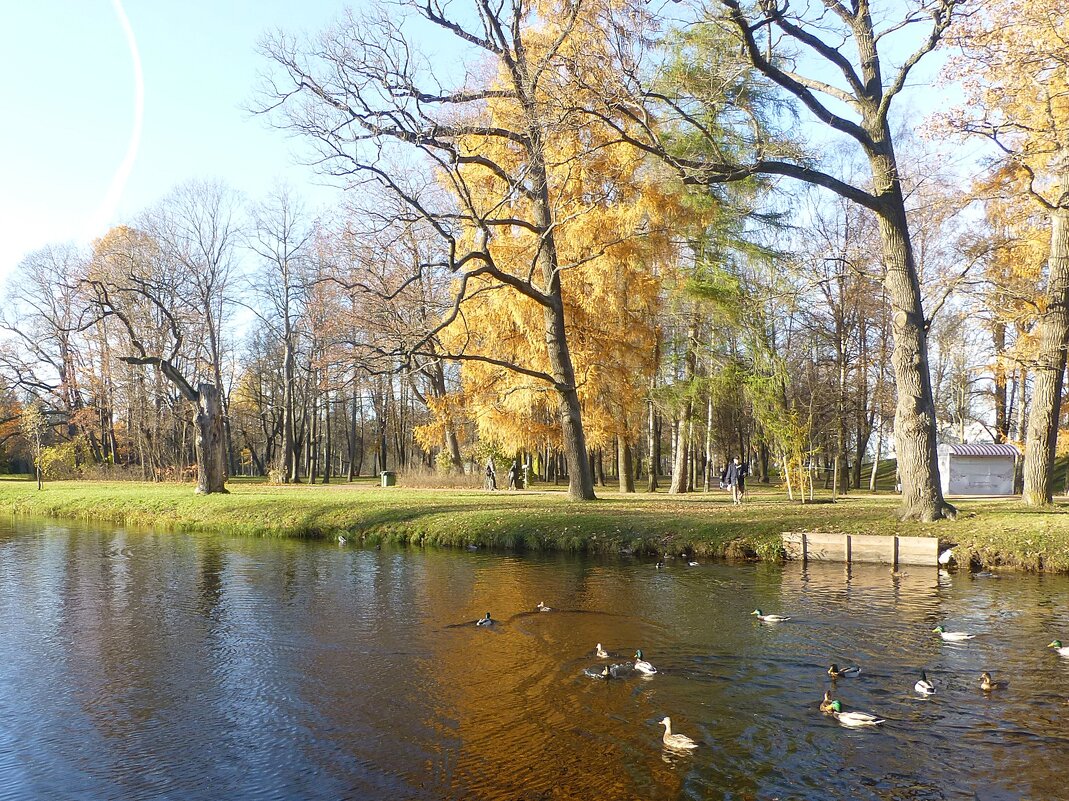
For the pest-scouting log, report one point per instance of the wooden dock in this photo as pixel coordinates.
(869, 548)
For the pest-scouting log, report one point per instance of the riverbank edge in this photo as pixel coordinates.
(502, 536)
(625, 526)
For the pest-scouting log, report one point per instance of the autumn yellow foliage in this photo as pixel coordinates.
(616, 221)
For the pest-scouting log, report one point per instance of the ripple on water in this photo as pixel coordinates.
(143, 667)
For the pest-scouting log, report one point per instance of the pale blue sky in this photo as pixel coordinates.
(68, 87)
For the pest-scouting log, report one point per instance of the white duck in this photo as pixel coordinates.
(952, 636)
(678, 741)
(642, 666)
(542, 607)
(924, 687)
(769, 618)
(600, 652)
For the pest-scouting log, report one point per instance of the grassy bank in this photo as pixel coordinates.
(988, 532)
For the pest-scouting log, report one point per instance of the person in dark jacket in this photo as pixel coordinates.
(514, 475)
(734, 478)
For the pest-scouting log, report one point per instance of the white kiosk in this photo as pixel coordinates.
(981, 469)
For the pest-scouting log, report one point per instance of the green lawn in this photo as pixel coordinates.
(989, 532)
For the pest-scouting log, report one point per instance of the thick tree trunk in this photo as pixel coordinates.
(580, 474)
(864, 433)
(1052, 332)
(452, 445)
(915, 434)
(679, 463)
(210, 442)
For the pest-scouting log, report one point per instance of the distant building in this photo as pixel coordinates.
(982, 469)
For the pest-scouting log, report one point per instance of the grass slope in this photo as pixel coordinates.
(988, 532)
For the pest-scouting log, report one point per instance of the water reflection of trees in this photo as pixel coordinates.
(199, 662)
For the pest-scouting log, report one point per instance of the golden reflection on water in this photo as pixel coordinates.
(195, 667)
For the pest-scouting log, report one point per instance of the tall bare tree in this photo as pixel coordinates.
(825, 59)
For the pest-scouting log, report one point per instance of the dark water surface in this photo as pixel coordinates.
(143, 666)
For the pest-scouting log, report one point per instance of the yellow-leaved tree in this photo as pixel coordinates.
(1014, 62)
(1016, 243)
(501, 162)
(615, 217)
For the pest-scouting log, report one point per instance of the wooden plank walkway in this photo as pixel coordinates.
(869, 548)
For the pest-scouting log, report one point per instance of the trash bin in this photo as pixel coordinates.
(389, 478)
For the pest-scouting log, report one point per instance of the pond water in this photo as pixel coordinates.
(152, 666)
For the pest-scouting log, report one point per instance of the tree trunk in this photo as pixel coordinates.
(998, 340)
(354, 468)
(915, 445)
(328, 445)
(876, 458)
(679, 463)
(651, 447)
(625, 467)
(1052, 333)
(680, 472)
(210, 442)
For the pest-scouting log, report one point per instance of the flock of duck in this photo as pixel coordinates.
(834, 708)
(829, 706)
(641, 666)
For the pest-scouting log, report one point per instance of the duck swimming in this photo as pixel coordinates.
(852, 720)
(642, 666)
(541, 607)
(600, 652)
(1059, 649)
(769, 618)
(952, 636)
(924, 687)
(678, 741)
(846, 672)
(827, 706)
(987, 684)
(486, 621)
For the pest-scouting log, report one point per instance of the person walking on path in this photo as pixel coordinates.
(491, 475)
(734, 478)
(514, 475)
